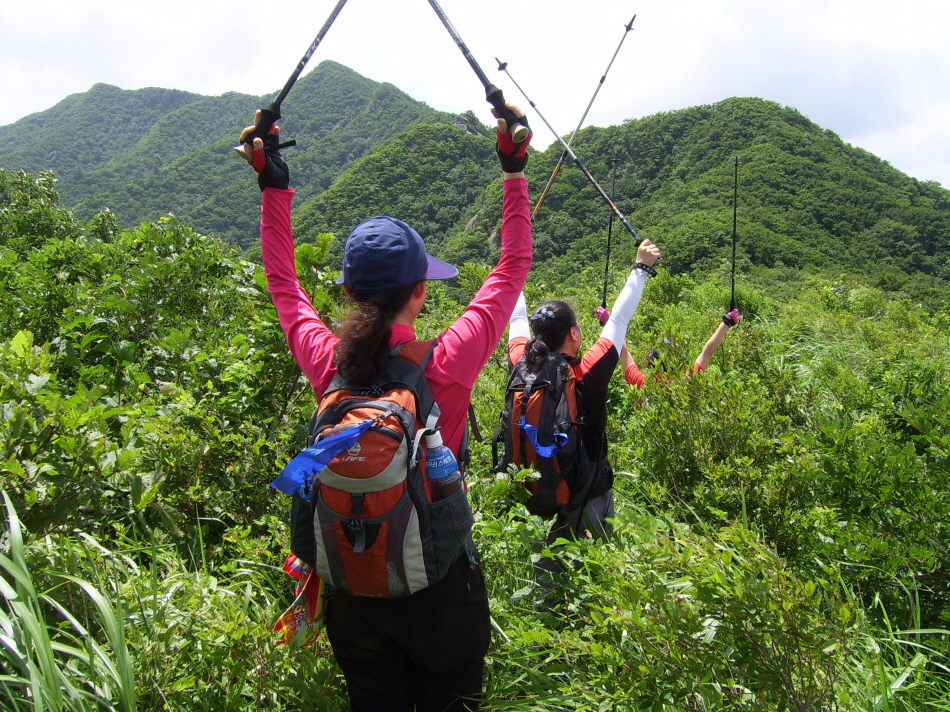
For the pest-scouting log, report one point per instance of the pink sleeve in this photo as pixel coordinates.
(467, 345)
(310, 341)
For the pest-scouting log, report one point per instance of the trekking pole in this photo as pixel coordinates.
(271, 113)
(493, 95)
(735, 202)
(610, 226)
(560, 161)
(503, 67)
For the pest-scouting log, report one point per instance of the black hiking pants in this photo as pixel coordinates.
(425, 652)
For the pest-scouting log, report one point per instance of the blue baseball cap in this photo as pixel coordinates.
(384, 253)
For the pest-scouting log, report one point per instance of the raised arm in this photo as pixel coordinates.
(631, 372)
(309, 339)
(518, 324)
(466, 346)
(715, 341)
(615, 329)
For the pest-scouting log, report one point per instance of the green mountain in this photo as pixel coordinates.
(807, 201)
(148, 152)
(90, 131)
(430, 177)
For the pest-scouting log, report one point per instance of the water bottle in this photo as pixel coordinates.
(441, 467)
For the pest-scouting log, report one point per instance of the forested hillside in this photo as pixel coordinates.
(149, 152)
(808, 201)
(429, 176)
(781, 539)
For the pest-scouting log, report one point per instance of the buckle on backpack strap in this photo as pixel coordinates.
(355, 527)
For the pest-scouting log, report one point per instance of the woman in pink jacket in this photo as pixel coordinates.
(424, 651)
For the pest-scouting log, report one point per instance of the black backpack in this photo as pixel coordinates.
(539, 428)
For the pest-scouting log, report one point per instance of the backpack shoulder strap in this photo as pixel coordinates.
(568, 382)
(417, 351)
(473, 425)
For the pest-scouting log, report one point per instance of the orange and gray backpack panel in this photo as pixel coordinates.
(378, 531)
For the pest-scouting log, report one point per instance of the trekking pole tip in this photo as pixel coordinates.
(501, 65)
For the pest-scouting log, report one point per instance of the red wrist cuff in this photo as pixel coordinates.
(258, 158)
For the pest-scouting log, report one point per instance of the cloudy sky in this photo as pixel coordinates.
(876, 73)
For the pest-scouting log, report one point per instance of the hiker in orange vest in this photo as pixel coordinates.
(554, 328)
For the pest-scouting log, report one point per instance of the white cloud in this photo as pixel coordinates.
(876, 73)
(918, 147)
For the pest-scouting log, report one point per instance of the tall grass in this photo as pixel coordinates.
(687, 617)
(51, 657)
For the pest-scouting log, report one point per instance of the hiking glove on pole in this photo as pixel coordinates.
(731, 318)
(602, 314)
(513, 156)
(271, 170)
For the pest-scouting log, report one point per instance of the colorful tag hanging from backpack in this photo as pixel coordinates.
(308, 463)
(299, 626)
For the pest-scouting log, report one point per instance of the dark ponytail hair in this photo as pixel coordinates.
(364, 335)
(550, 324)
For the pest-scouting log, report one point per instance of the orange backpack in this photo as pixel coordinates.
(539, 428)
(372, 525)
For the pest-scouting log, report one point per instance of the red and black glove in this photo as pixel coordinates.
(513, 156)
(602, 314)
(271, 170)
(731, 318)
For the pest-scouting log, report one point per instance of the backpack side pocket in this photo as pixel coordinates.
(303, 541)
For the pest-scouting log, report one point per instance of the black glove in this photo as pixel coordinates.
(271, 169)
(513, 156)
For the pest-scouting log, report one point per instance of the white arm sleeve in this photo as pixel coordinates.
(518, 321)
(620, 314)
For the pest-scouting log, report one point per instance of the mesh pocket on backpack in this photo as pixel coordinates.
(450, 521)
(380, 556)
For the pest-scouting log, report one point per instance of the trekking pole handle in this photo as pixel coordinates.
(496, 98)
(492, 93)
(270, 114)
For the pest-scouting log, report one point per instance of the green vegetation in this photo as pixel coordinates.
(810, 203)
(782, 538)
(807, 200)
(97, 672)
(781, 542)
(427, 176)
(149, 152)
